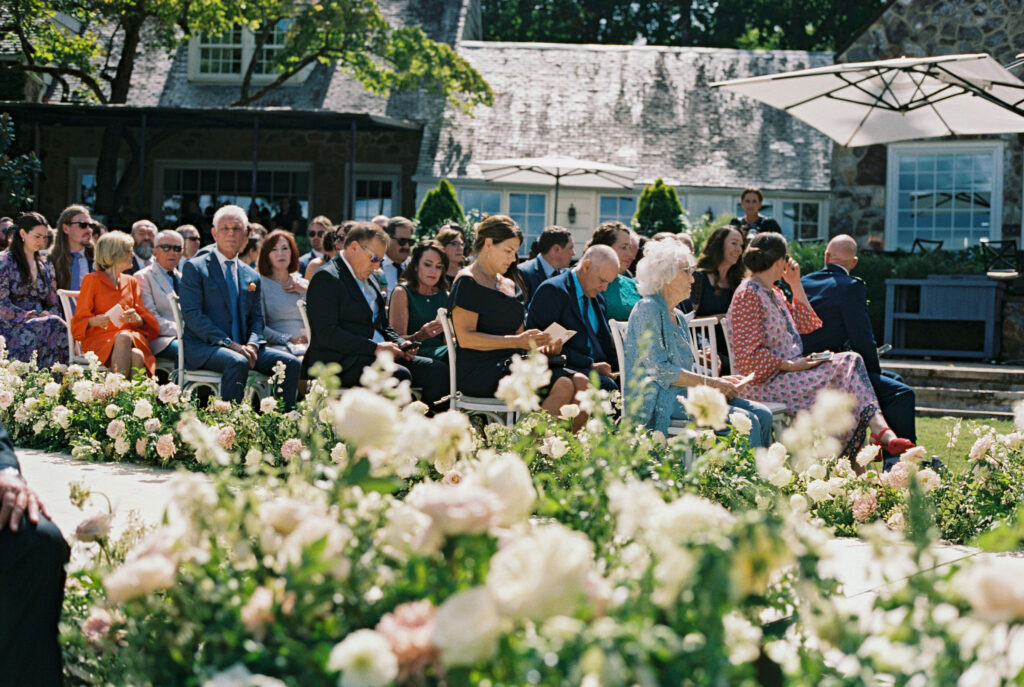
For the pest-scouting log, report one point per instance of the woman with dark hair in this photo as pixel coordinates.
(753, 222)
(281, 290)
(622, 293)
(454, 243)
(414, 302)
(488, 316)
(30, 320)
(719, 271)
(764, 330)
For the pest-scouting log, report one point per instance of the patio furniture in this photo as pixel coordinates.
(1002, 259)
(926, 246)
(955, 316)
(488, 408)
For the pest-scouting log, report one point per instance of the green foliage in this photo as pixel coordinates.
(745, 24)
(702, 229)
(439, 206)
(658, 209)
(16, 171)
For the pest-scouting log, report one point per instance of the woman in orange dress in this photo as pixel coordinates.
(119, 347)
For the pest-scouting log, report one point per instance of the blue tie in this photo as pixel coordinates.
(229, 276)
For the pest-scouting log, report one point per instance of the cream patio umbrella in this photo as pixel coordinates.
(863, 103)
(557, 170)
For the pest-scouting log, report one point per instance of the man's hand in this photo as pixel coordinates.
(249, 351)
(391, 348)
(602, 368)
(15, 500)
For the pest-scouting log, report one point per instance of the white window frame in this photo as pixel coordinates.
(160, 165)
(372, 172)
(248, 47)
(993, 147)
(601, 195)
(822, 216)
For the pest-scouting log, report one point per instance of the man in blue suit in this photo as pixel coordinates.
(841, 303)
(573, 300)
(555, 249)
(223, 313)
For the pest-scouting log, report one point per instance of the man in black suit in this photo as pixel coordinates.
(841, 303)
(573, 300)
(33, 554)
(349, 320)
(555, 249)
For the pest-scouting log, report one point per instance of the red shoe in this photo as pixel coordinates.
(895, 446)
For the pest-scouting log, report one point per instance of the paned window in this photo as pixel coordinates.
(617, 208)
(528, 210)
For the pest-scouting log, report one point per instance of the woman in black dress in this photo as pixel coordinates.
(488, 317)
(719, 271)
(753, 222)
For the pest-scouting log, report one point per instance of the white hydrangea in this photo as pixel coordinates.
(742, 639)
(518, 389)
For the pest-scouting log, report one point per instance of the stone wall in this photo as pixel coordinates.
(326, 151)
(924, 28)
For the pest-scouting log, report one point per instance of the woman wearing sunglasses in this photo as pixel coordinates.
(71, 254)
(331, 245)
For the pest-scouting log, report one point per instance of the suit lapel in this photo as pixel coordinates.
(350, 283)
(595, 342)
(162, 280)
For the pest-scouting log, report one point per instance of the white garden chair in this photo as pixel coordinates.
(488, 408)
(301, 305)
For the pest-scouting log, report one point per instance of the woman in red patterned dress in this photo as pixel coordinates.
(764, 330)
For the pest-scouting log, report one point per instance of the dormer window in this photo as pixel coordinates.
(225, 58)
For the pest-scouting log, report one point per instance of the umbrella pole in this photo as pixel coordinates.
(555, 219)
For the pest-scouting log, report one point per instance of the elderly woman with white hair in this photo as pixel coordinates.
(659, 358)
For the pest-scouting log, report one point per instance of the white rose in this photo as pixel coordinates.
(992, 587)
(143, 409)
(741, 423)
(151, 425)
(568, 412)
(6, 398)
(408, 530)
(541, 575)
(82, 391)
(867, 454)
(284, 514)
(121, 445)
(365, 419)
(816, 471)
(706, 406)
(239, 676)
(467, 628)
(688, 517)
(339, 454)
(62, 416)
(461, 509)
(742, 639)
(819, 490)
(798, 502)
(896, 520)
(268, 404)
(769, 460)
(833, 412)
(554, 447)
(115, 428)
(507, 476)
(928, 479)
(112, 410)
(138, 577)
(364, 659)
(781, 477)
(93, 528)
(52, 389)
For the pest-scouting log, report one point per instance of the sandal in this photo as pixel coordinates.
(895, 446)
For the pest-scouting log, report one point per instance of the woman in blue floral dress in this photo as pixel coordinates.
(30, 319)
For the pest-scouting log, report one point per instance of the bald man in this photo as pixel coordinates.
(573, 299)
(840, 300)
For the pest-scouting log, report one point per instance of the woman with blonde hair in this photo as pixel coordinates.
(110, 319)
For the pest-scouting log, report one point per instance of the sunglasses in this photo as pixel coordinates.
(316, 234)
(176, 249)
(376, 260)
(403, 242)
(84, 225)
(191, 238)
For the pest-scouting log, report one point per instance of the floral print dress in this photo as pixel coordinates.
(30, 318)
(764, 330)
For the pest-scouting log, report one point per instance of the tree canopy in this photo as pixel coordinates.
(751, 24)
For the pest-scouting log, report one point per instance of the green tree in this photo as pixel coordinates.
(438, 207)
(16, 171)
(658, 209)
(97, 59)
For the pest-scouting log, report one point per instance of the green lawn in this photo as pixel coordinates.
(931, 433)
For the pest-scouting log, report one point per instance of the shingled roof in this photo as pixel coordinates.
(643, 107)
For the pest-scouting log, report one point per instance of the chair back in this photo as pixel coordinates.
(618, 329)
(301, 305)
(724, 321)
(926, 246)
(704, 343)
(68, 300)
(180, 327)
(449, 339)
(1002, 259)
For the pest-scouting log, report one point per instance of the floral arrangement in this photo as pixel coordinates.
(384, 547)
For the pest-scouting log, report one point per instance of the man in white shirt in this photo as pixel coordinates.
(399, 230)
(144, 233)
(158, 281)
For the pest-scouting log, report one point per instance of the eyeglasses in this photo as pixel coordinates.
(403, 242)
(375, 259)
(164, 246)
(84, 225)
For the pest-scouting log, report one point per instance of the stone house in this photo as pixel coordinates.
(956, 190)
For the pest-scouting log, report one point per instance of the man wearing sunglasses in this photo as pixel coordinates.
(349, 320)
(158, 281)
(190, 235)
(400, 231)
(316, 230)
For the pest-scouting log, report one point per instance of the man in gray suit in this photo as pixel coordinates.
(158, 281)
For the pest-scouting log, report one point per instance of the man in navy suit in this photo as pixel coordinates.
(223, 313)
(555, 249)
(33, 554)
(841, 303)
(349, 320)
(573, 299)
